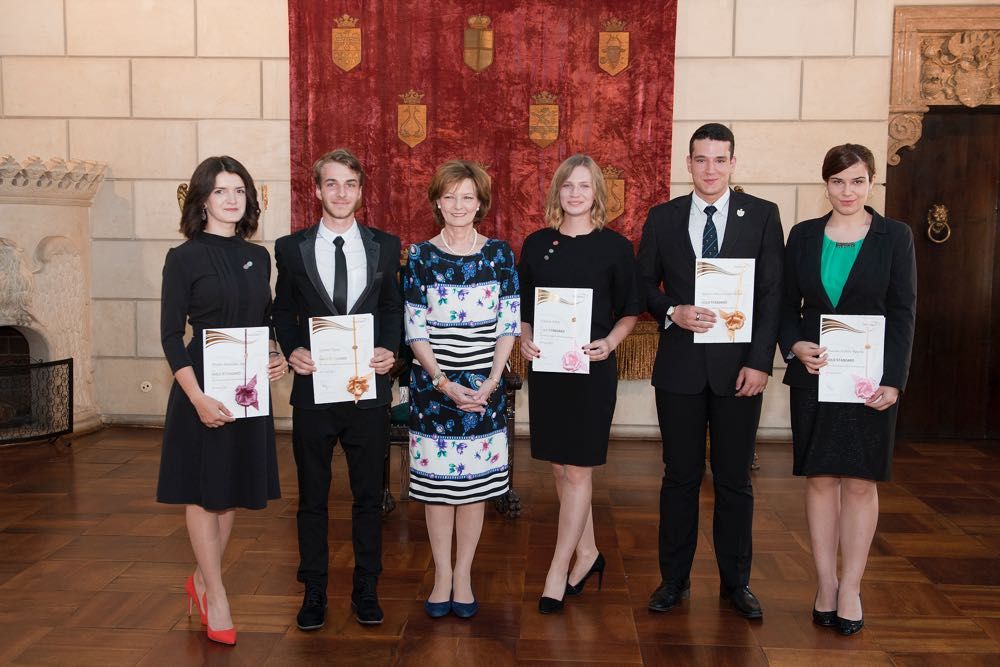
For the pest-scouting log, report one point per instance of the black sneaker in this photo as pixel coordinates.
(312, 615)
(364, 602)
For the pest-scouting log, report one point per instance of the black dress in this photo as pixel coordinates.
(570, 415)
(213, 281)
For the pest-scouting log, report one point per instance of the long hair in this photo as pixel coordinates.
(201, 186)
(553, 207)
(450, 174)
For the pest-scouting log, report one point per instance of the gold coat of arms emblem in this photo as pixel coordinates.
(543, 119)
(616, 191)
(347, 43)
(411, 119)
(478, 43)
(612, 47)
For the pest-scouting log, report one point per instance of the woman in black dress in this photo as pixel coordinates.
(851, 261)
(210, 461)
(570, 414)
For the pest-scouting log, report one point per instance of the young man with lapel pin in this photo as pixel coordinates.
(338, 267)
(715, 385)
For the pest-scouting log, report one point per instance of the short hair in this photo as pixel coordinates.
(450, 174)
(841, 157)
(715, 132)
(201, 186)
(599, 209)
(344, 157)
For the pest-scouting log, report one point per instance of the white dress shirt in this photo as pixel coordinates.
(697, 221)
(357, 261)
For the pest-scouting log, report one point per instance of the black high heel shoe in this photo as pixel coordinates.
(846, 626)
(549, 605)
(598, 567)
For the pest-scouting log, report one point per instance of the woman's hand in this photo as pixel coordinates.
(465, 399)
(884, 398)
(485, 390)
(812, 356)
(599, 350)
(277, 366)
(211, 412)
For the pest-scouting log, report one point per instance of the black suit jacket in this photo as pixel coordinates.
(299, 295)
(667, 261)
(883, 281)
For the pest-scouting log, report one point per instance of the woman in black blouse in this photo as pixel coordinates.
(211, 462)
(571, 413)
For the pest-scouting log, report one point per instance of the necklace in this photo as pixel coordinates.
(475, 240)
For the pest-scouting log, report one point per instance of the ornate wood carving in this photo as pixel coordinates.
(942, 56)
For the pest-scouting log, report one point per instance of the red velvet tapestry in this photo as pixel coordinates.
(488, 81)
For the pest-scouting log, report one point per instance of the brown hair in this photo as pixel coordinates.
(450, 174)
(344, 157)
(201, 186)
(840, 158)
(553, 207)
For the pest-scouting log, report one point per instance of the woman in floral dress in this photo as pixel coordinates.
(462, 304)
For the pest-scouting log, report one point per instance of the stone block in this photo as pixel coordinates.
(196, 88)
(157, 215)
(276, 91)
(752, 89)
(111, 212)
(112, 324)
(261, 145)
(65, 87)
(137, 148)
(704, 28)
(130, 28)
(118, 384)
(262, 33)
(32, 28)
(845, 89)
(147, 325)
(24, 137)
(794, 28)
(128, 269)
(277, 219)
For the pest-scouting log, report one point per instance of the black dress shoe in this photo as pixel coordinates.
(669, 595)
(549, 605)
(364, 602)
(827, 619)
(849, 627)
(597, 567)
(743, 601)
(312, 615)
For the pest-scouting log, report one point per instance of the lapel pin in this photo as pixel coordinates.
(740, 213)
(247, 265)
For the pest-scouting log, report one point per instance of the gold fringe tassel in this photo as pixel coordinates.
(635, 354)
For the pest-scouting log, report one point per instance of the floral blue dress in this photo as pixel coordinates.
(461, 305)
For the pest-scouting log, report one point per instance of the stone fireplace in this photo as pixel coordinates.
(45, 266)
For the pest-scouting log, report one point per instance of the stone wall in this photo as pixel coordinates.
(152, 87)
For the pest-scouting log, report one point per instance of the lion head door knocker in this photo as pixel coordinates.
(938, 229)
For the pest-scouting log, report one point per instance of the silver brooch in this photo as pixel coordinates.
(247, 265)
(740, 213)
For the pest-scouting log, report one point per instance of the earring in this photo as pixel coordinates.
(204, 214)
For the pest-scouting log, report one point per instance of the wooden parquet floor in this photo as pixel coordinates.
(91, 571)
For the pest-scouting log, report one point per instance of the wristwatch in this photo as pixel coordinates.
(670, 313)
(438, 378)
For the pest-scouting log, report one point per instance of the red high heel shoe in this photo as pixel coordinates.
(227, 637)
(193, 599)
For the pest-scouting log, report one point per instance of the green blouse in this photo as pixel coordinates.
(835, 265)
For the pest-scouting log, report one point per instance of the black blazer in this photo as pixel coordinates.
(667, 259)
(299, 295)
(883, 281)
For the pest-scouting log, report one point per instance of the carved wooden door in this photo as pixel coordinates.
(954, 386)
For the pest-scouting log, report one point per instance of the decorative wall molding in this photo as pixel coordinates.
(942, 56)
(53, 181)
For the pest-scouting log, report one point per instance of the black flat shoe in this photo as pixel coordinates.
(669, 595)
(364, 603)
(598, 567)
(549, 605)
(848, 627)
(312, 615)
(826, 619)
(743, 601)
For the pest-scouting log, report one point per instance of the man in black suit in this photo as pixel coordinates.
(718, 385)
(338, 267)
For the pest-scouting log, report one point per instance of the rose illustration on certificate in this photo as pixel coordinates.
(234, 359)
(562, 328)
(341, 347)
(725, 285)
(855, 353)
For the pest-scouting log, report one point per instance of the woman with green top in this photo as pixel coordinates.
(851, 261)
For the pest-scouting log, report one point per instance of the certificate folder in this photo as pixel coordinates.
(562, 328)
(235, 369)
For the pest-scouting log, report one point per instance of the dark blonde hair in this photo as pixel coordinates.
(344, 157)
(201, 186)
(553, 207)
(450, 174)
(841, 157)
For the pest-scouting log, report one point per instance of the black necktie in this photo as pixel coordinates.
(340, 277)
(710, 239)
